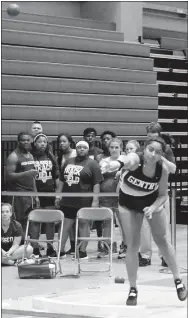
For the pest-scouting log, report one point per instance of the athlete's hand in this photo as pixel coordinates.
(110, 166)
(95, 204)
(37, 202)
(118, 173)
(3, 254)
(105, 167)
(6, 256)
(31, 173)
(57, 203)
(148, 211)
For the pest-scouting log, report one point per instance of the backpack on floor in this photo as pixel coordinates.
(37, 268)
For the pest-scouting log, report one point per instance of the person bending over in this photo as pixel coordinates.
(143, 192)
(131, 146)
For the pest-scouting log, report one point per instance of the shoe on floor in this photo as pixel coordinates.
(163, 263)
(122, 251)
(100, 246)
(51, 252)
(103, 253)
(36, 252)
(71, 251)
(122, 248)
(10, 263)
(144, 262)
(82, 255)
(132, 297)
(62, 254)
(122, 255)
(181, 289)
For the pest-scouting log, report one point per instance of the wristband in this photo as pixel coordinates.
(121, 164)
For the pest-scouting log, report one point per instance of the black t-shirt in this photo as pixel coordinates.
(7, 238)
(79, 176)
(23, 183)
(48, 172)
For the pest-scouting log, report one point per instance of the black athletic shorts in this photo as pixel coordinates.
(69, 211)
(136, 203)
(46, 201)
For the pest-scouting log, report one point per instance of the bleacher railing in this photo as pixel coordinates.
(172, 196)
(176, 180)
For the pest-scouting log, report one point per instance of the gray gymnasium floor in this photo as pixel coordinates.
(96, 295)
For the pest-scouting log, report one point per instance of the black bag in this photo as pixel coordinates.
(37, 268)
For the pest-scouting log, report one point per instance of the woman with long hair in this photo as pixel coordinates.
(65, 148)
(46, 181)
(143, 191)
(65, 145)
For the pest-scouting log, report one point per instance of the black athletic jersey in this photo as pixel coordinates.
(23, 164)
(137, 190)
(7, 238)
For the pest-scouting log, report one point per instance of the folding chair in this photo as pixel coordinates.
(94, 214)
(45, 216)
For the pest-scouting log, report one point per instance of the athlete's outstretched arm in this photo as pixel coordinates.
(129, 162)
